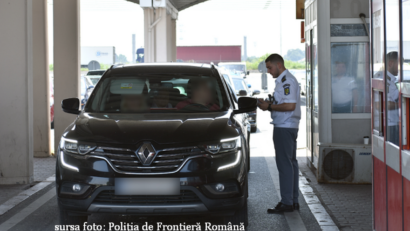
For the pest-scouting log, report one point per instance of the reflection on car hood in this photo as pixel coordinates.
(159, 128)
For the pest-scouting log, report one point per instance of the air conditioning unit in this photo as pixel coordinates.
(345, 164)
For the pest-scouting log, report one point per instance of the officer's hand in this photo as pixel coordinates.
(263, 105)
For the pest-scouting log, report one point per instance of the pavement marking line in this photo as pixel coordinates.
(293, 219)
(12, 202)
(18, 217)
(326, 223)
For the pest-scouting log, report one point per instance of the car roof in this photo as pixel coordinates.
(157, 68)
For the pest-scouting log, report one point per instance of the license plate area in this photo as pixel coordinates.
(147, 186)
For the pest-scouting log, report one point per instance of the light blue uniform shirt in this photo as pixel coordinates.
(287, 90)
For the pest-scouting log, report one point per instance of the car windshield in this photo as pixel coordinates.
(239, 85)
(158, 93)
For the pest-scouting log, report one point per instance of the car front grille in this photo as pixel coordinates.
(166, 160)
(185, 197)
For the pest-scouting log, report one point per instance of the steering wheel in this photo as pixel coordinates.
(196, 107)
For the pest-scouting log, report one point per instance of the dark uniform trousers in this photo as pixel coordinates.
(284, 140)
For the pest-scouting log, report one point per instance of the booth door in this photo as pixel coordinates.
(312, 108)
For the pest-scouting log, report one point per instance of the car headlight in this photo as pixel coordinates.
(225, 145)
(72, 146)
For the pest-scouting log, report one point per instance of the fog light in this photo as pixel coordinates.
(76, 187)
(220, 187)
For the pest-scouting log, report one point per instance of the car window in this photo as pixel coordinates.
(232, 94)
(157, 94)
(238, 84)
(226, 77)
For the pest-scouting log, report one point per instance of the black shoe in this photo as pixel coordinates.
(296, 206)
(280, 208)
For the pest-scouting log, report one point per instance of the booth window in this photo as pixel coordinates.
(392, 71)
(315, 71)
(405, 67)
(378, 113)
(350, 77)
(378, 40)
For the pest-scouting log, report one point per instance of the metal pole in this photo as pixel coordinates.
(245, 49)
(133, 49)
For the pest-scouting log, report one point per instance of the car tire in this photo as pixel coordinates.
(66, 219)
(240, 216)
(254, 129)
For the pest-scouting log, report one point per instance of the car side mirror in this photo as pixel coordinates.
(242, 93)
(71, 105)
(247, 73)
(246, 104)
(256, 92)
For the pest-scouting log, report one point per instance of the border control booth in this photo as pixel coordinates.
(338, 102)
(390, 72)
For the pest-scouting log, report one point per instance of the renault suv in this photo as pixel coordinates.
(156, 139)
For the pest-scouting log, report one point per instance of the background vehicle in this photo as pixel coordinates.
(238, 83)
(92, 57)
(95, 76)
(239, 67)
(189, 157)
(300, 75)
(140, 55)
(86, 89)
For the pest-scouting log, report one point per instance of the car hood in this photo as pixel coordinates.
(159, 128)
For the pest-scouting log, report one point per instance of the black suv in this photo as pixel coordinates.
(156, 139)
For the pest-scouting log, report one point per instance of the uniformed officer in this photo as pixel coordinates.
(392, 71)
(285, 113)
(344, 91)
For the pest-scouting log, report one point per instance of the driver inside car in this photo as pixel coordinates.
(200, 96)
(133, 103)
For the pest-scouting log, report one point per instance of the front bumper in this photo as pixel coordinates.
(97, 178)
(206, 206)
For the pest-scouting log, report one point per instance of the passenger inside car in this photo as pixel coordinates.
(133, 103)
(161, 99)
(200, 96)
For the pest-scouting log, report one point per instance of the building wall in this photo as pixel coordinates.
(350, 131)
(207, 54)
(16, 92)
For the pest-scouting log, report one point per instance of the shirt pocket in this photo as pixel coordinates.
(278, 96)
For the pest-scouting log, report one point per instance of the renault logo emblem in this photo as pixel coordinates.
(146, 153)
